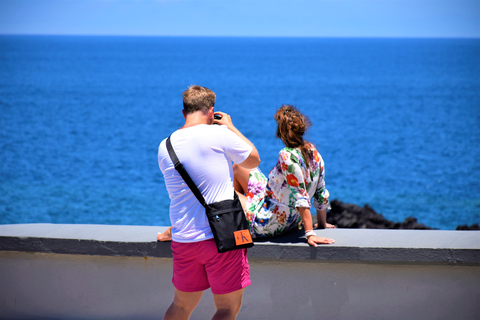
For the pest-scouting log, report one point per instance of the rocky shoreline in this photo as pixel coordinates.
(345, 215)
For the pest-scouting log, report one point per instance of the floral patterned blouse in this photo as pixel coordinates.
(271, 204)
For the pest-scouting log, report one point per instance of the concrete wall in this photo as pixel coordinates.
(46, 272)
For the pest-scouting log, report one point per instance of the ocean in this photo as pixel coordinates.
(397, 121)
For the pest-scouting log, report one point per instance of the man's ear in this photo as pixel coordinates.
(210, 111)
(183, 112)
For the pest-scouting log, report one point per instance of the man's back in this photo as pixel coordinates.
(206, 152)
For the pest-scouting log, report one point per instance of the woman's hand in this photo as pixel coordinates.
(314, 240)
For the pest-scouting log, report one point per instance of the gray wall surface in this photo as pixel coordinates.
(290, 280)
(56, 286)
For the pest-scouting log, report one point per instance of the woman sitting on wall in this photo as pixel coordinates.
(283, 201)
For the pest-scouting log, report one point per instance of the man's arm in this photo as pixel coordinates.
(253, 159)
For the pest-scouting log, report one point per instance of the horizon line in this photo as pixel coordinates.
(239, 36)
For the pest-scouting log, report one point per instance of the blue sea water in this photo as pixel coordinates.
(397, 121)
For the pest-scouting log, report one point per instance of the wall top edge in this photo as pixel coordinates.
(374, 238)
(350, 244)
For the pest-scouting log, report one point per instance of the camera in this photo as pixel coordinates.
(217, 117)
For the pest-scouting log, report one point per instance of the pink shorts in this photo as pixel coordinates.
(198, 266)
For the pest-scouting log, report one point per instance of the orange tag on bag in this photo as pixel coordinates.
(242, 237)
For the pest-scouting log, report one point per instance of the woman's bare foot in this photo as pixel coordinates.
(327, 226)
(166, 236)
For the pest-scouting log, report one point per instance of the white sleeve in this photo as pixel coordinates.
(236, 148)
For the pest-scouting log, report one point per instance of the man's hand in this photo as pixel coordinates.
(225, 120)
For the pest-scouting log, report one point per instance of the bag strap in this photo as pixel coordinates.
(179, 167)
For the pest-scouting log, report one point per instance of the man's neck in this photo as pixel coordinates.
(196, 118)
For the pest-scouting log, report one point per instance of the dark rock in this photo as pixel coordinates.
(474, 226)
(411, 223)
(345, 215)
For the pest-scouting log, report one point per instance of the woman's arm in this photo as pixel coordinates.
(312, 240)
(306, 218)
(322, 220)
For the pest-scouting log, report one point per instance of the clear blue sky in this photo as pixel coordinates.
(285, 18)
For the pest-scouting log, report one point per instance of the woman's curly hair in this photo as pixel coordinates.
(291, 126)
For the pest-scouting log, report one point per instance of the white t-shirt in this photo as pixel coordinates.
(206, 152)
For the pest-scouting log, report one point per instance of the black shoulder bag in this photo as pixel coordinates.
(226, 218)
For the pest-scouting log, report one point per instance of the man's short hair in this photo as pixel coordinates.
(197, 98)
